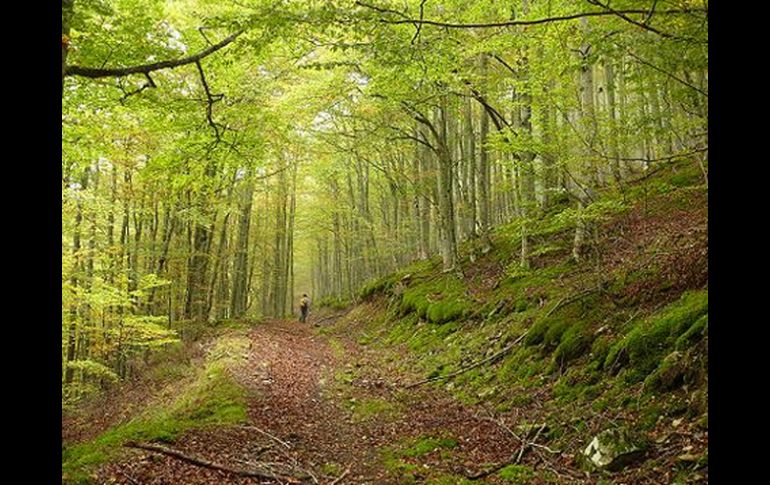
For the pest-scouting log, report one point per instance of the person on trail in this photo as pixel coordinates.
(304, 307)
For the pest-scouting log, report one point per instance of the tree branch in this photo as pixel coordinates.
(644, 24)
(211, 99)
(511, 23)
(95, 73)
(672, 76)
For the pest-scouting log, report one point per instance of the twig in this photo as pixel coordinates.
(525, 445)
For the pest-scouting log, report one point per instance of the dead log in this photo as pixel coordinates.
(209, 464)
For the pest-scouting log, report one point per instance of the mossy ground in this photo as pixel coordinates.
(625, 312)
(207, 397)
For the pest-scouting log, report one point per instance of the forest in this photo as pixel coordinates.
(504, 198)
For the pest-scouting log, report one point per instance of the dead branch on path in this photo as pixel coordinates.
(211, 465)
(462, 370)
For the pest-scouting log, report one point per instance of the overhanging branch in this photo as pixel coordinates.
(95, 73)
(512, 23)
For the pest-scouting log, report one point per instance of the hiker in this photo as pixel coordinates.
(304, 307)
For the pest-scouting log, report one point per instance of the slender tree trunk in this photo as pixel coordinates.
(484, 170)
(74, 281)
(241, 262)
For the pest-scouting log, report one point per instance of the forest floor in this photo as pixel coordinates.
(324, 406)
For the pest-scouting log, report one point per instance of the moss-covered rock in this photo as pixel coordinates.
(614, 449)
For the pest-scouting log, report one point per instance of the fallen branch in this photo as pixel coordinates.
(208, 464)
(500, 423)
(462, 370)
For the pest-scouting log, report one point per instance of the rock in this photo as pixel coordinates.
(614, 449)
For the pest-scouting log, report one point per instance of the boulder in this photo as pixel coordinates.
(614, 449)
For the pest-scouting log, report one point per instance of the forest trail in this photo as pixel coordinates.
(327, 406)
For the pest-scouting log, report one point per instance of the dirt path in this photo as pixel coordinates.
(330, 406)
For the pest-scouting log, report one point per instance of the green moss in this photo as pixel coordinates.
(449, 480)
(555, 330)
(338, 350)
(537, 332)
(439, 300)
(332, 469)
(574, 342)
(373, 408)
(335, 303)
(686, 176)
(521, 305)
(516, 474)
(599, 350)
(428, 444)
(693, 334)
(650, 340)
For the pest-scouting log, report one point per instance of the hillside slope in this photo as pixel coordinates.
(617, 342)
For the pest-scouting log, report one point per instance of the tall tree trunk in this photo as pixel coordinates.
(446, 202)
(74, 281)
(484, 170)
(241, 262)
